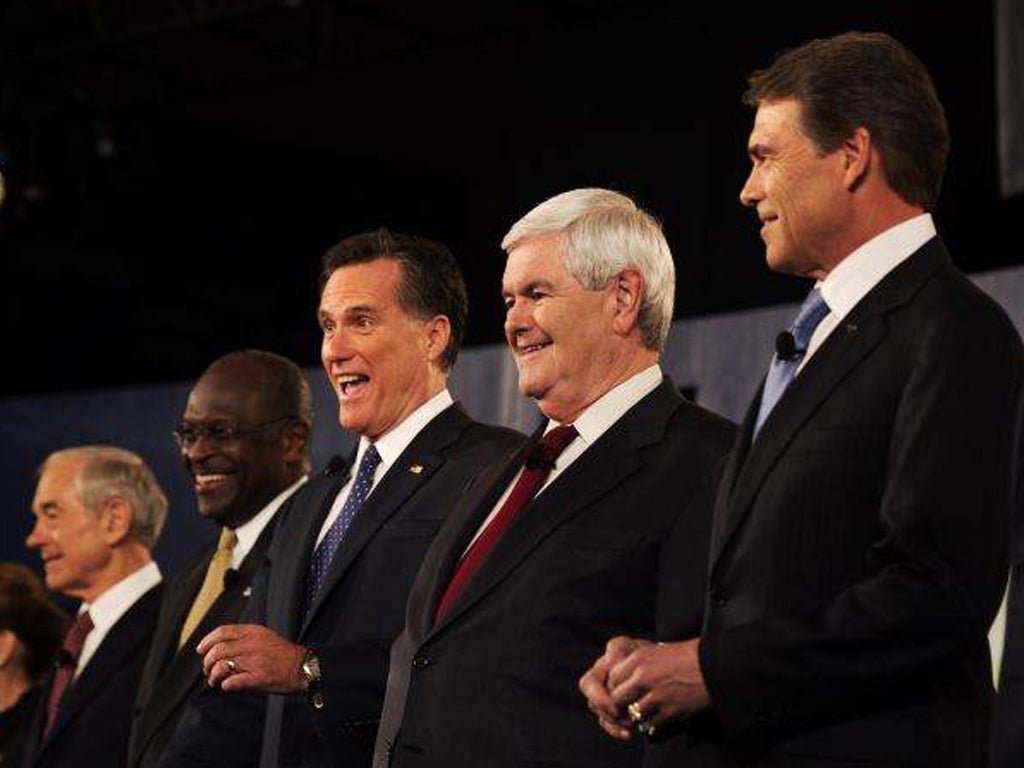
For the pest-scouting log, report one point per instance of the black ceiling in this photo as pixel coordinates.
(175, 169)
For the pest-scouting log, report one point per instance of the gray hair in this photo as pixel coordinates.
(110, 472)
(604, 233)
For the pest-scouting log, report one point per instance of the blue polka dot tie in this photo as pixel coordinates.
(324, 553)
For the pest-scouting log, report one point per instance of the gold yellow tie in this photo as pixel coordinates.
(213, 584)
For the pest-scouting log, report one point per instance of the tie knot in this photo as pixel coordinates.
(810, 315)
(227, 541)
(556, 440)
(75, 638)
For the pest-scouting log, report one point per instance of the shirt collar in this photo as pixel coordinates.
(601, 414)
(249, 531)
(115, 602)
(864, 268)
(391, 445)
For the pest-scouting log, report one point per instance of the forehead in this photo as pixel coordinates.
(229, 392)
(538, 259)
(776, 121)
(58, 479)
(372, 284)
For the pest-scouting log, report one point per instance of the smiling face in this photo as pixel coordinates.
(798, 192)
(560, 333)
(382, 361)
(73, 542)
(234, 478)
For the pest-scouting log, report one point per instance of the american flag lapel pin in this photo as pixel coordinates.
(416, 469)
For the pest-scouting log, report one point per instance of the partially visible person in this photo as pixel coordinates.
(600, 525)
(244, 439)
(859, 547)
(332, 595)
(31, 628)
(98, 512)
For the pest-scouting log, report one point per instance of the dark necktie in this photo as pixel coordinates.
(538, 466)
(324, 553)
(783, 369)
(67, 661)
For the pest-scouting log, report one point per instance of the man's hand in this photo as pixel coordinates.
(664, 679)
(594, 685)
(240, 657)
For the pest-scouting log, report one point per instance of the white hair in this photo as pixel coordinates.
(109, 472)
(604, 233)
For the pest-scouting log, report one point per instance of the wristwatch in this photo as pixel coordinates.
(309, 671)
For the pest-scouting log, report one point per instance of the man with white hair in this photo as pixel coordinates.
(597, 525)
(99, 511)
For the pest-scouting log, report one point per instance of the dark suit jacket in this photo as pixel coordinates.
(359, 610)
(96, 715)
(860, 544)
(621, 534)
(1007, 748)
(172, 677)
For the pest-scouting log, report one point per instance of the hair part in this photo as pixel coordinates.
(870, 80)
(108, 473)
(431, 282)
(604, 233)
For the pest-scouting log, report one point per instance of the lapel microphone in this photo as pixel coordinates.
(785, 346)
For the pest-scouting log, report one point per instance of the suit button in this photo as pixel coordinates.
(420, 662)
(318, 700)
(389, 746)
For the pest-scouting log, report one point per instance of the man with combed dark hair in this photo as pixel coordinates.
(599, 526)
(331, 598)
(99, 511)
(244, 440)
(860, 539)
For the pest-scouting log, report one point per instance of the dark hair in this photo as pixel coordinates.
(431, 281)
(865, 79)
(282, 383)
(27, 611)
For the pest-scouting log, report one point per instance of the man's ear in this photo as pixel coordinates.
(628, 294)
(8, 644)
(294, 440)
(438, 333)
(116, 519)
(857, 157)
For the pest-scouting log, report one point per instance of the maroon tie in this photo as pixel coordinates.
(67, 660)
(538, 466)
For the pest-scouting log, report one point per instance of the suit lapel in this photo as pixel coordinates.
(414, 466)
(843, 351)
(289, 564)
(603, 466)
(123, 640)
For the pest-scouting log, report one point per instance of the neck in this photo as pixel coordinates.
(617, 371)
(125, 560)
(871, 216)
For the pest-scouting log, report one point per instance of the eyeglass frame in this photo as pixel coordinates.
(228, 434)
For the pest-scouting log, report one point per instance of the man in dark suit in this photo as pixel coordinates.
(98, 511)
(518, 594)
(330, 602)
(244, 440)
(860, 539)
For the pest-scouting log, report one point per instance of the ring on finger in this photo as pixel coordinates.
(635, 713)
(231, 665)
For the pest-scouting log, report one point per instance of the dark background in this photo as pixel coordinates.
(176, 169)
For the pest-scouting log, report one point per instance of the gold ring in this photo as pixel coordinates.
(646, 727)
(232, 667)
(635, 714)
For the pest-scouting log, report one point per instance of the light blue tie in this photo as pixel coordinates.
(324, 553)
(782, 371)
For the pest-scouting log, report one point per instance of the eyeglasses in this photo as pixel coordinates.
(188, 435)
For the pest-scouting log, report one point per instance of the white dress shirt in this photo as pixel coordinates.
(853, 277)
(109, 607)
(593, 422)
(390, 447)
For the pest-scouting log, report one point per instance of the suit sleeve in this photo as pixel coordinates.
(935, 577)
